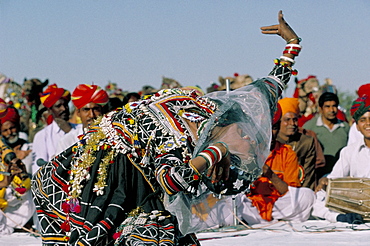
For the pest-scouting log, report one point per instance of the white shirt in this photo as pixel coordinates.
(354, 135)
(69, 139)
(354, 161)
(45, 142)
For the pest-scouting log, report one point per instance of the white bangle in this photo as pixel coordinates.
(219, 152)
(206, 157)
(294, 45)
(287, 59)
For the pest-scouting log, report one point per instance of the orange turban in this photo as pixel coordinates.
(11, 115)
(84, 94)
(289, 105)
(52, 94)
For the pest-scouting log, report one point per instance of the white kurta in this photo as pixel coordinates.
(353, 162)
(69, 139)
(18, 212)
(295, 205)
(354, 135)
(45, 143)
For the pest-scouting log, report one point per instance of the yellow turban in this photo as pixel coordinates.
(289, 105)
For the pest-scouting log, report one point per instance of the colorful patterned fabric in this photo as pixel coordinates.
(84, 94)
(52, 94)
(145, 136)
(132, 157)
(197, 90)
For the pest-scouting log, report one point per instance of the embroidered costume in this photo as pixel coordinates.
(109, 187)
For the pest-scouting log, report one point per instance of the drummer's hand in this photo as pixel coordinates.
(282, 29)
(323, 182)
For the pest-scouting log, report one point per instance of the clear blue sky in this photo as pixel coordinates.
(135, 43)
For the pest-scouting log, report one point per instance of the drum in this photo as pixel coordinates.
(349, 195)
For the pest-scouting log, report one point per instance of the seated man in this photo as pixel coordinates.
(15, 195)
(353, 162)
(11, 137)
(277, 195)
(306, 146)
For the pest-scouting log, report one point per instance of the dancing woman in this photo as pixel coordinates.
(109, 188)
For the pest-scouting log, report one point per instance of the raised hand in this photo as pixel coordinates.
(282, 29)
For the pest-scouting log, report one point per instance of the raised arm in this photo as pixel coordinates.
(284, 63)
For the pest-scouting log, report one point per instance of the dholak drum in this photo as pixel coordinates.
(349, 195)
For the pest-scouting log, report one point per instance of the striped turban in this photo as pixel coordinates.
(84, 94)
(360, 106)
(52, 94)
(289, 105)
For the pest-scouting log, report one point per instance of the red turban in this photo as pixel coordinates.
(11, 115)
(364, 89)
(360, 106)
(52, 94)
(277, 115)
(84, 94)
(289, 105)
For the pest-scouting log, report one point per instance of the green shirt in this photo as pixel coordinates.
(331, 140)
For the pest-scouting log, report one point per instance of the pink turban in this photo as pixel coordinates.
(84, 94)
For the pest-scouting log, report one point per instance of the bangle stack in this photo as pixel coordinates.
(293, 49)
(287, 59)
(211, 155)
(226, 147)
